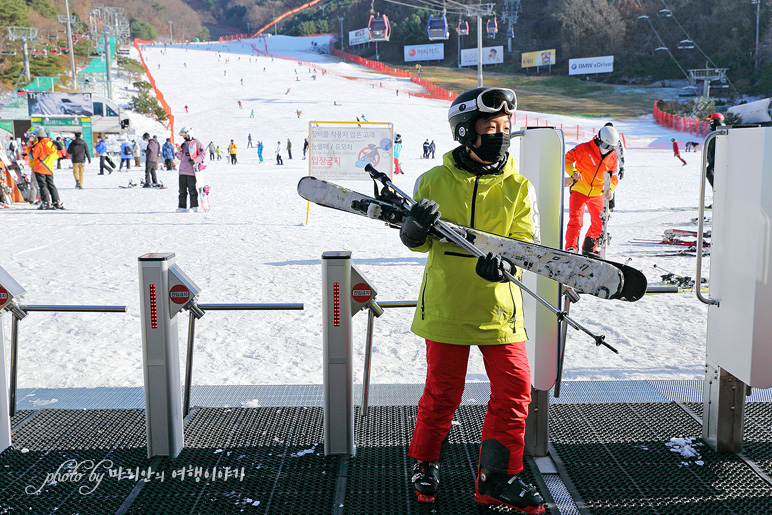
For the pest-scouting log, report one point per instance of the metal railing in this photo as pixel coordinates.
(219, 307)
(50, 308)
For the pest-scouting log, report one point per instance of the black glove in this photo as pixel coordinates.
(492, 268)
(192, 162)
(419, 222)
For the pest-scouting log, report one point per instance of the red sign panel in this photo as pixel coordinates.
(361, 292)
(179, 294)
(4, 296)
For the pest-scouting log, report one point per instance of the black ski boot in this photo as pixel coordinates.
(590, 247)
(426, 480)
(500, 489)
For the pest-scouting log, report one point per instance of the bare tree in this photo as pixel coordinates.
(588, 27)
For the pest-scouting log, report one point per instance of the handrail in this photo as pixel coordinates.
(220, 307)
(15, 336)
(701, 218)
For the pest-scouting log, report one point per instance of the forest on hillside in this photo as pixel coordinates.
(646, 45)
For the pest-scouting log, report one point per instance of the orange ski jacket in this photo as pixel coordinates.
(586, 159)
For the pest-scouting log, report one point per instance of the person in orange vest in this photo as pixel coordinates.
(587, 165)
(232, 152)
(43, 159)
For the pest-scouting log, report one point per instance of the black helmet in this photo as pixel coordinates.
(471, 105)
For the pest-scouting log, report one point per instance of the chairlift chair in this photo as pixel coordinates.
(643, 19)
(380, 29)
(664, 13)
(493, 28)
(686, 44)
(661, 50)
(463, 28)
(437, 27)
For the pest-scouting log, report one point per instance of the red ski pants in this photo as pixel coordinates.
(504, 424)
(576, 203)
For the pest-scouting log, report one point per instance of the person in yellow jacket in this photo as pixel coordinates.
(465, 301)
(232, 152)
(43, 158)
(587, 165)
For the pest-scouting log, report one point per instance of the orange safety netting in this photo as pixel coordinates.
(681, 124)
(158, 94)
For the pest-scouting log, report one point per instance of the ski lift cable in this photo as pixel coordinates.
(698, 48)
(432, 9)
(662, 43)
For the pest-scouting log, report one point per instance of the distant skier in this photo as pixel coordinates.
(191, 155)
(126, 155)
(278, 153)
(135, 152)
(186, 108)
(168, 153)
(305, 148)
(289, 149)
(232, 152)
(104, 160)
(260, 151)
(288, 90)
(211, 150)
(252, 113)
(397, 153)
(240, 107)
(432, 148)
(676, 152)
(426, 149)
(78, 150)
(363, 118)
(151, 160)
(249, 140)
(218, 152)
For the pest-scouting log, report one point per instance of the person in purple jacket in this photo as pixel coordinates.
(191, 155)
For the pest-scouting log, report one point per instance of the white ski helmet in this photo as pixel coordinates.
(186, 132)
(607, 138)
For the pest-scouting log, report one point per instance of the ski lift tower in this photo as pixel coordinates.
(707, 75)
(68, 21)
(509, 16)
(25, 34)
(480, 10)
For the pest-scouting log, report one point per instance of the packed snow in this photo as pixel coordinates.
(255, 245)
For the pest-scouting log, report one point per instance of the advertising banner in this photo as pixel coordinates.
(538, 58)
(589, 65)
(359, 36)
(433, 52)
(60, 104)
(491, 55)
(341, 150)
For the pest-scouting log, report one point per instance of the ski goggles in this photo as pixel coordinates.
(604, 146)
(491, 100)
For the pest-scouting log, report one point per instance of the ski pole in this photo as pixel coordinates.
(451, 235)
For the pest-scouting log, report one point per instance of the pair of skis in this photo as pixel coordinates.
(598, 277)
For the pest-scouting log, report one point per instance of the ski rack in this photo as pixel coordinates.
(451, 235)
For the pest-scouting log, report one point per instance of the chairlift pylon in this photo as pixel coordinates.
(437, 27)
(511, 33)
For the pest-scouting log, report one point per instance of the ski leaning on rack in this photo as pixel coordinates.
(601, 278)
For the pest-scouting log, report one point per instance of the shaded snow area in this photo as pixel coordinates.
(255, 246)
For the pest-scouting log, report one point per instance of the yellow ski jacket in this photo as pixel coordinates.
(455, 305)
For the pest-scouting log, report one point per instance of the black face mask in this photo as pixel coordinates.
(493, 147)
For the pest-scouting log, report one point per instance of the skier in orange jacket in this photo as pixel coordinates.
(587, 164)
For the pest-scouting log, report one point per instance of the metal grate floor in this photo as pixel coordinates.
(619, 458)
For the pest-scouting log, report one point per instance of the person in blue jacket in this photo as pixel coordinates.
(168, 152)
(104, 160)
(126, 155)
(397, 153)
(260, 150)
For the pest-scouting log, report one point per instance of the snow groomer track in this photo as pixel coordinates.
(617, 448)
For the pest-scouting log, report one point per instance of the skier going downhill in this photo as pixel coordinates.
(469, 302)
(586, 165)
